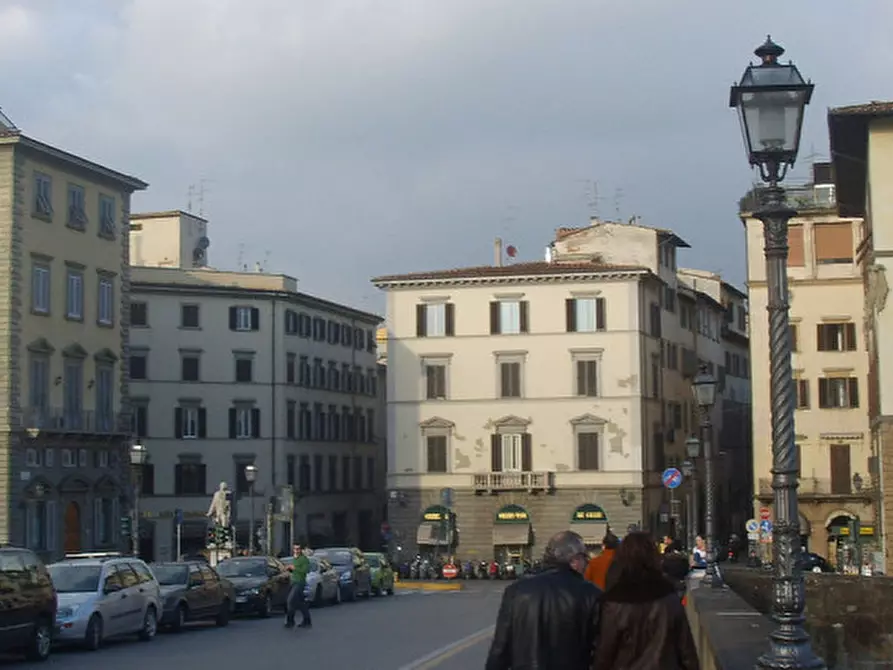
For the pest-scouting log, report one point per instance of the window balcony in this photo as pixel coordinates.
(83, 422)
(494, 482)
(817, 487)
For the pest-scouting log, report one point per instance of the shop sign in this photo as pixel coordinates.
(863, 530)
(512, 514)
(435, 513)
(589, 513)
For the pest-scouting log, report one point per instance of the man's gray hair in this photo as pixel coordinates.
(563, 548)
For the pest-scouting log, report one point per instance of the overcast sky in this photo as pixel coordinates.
(341, 139)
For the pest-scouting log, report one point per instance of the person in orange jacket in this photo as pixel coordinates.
(597, 570)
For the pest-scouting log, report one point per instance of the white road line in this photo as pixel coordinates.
(444, 651)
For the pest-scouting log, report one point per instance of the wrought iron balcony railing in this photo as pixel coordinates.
(60, 420)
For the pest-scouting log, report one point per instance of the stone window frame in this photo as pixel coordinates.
(191, 353)
(437, 427)
(434, 359)
(583, 356)
(520, 357)
(108, 225)
(73, 269)
(105, 278)
(589, 424)
(138, 352)
(42, 203)
(244, 355)
(44, 263)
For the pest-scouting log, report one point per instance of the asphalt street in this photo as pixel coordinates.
(407, 631)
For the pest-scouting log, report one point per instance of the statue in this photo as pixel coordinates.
(220, 506)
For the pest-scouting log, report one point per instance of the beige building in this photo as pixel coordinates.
(229, 369)
(862, 146)
(829, 360)
(64, 425)
(535, 394)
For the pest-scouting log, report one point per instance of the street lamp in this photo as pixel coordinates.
(250, 477)
(704, 389)
(690, 472)
(771, 98)
(138, 456)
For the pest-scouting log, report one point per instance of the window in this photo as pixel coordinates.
(370, 425)
(587, 451)
(291, 415)
(73, 382)
(838, 392)
(304, 371)
(508, 317)
(840, 466)
(437, 453)
(435, 319)
(303, 472)
(139, 314)
(802, 394)
(347, 425)
(334, 377)
(244, 422)
(655, 320)
(795, 342)
(291, 322)
(105, 393)
(290, 470)
(244, 318)
(670, 299)
(317, 473)
(101, 458)
(304, 325)
(655, 376)
(347, 378)
(190, 478)
(370, 473)
(587, 376)
(319, 422)
(244, 368)
(32, 458)
(361, 425)
(107, 225)
(290, 371)
(372, 376)
(511, 452)
(357, 473)
(796, 256)
(585, 315)
(189, 367)
(304, 420)
(189, 316)
(333, 473)
(68, 458)
(510, 379)
(140, 420)
(190, 422)
(345, 473)
(359, 339)
(371, 342)
(319, 374)
(334, 332)
(334, 423)
(139, 365)
(40, 288)
(836, 336)
(833, 243)
(43, 195)
(105, 314)
(74, 297)
(39, 387)
(319, 329)
(77, 212)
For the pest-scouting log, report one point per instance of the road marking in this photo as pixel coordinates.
(446, 652)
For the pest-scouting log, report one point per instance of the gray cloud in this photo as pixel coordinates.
(356, 137)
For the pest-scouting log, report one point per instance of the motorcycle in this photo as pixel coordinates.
(493, 570)
(482, 570)
(415, 568)
(468, 570)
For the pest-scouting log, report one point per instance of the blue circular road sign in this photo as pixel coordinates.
(672, 478)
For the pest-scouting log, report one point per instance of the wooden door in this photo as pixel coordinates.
(72, 528)
(840, 469)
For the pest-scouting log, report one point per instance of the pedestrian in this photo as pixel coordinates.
(549, 620)
(597, 570)
(299, 568)
(643, 623)
(699, 554)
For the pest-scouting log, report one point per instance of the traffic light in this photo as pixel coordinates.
(126, 525)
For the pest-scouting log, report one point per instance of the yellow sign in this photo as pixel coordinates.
(589, 516)
(863, 530)
(512, 516)
(589, 513)
(433, 516)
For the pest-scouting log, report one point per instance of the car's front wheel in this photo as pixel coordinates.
(150, 625)
(41, 641)
(179, 618)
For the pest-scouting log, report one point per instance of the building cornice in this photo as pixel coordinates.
(513, 280)
(811, 281)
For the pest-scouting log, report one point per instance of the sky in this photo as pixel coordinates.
(344, 139)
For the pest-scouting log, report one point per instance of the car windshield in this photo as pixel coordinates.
(335, 557)
(242, 569)
(373, 561)
(170, 575)
(69, 578)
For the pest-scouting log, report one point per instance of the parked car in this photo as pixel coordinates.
(381, 572)
(27, 604)
(261, 583)
(322, 581)
(102, 596)
(810, 562)
(193, 591)
(354, 576)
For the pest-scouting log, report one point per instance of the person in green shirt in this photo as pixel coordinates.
(299, 568)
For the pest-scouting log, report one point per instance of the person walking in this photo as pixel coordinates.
(643, 623)
(549, 620)
(597, 570)
(299, 569)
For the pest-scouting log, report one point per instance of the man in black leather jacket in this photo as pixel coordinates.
(550, 621)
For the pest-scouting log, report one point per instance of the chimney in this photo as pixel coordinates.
(497, 252)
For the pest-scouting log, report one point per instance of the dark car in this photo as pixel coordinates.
(261, 583)
(354, 575)
(193, 591)
(810, 562)
(27, 604)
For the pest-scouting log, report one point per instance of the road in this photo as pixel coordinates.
(407, 631)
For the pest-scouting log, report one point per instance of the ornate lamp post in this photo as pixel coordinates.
(250, 477)
(771, 99)
(704, 388)
(690, 470)
(138, 456)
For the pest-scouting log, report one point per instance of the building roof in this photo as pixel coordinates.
(172, 212)
(512, 270)
(15, 137)
(734, 289)
(848, 131)
(663, 233)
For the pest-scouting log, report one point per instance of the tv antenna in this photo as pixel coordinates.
(241, 258)
(202, 189)
(618, 198)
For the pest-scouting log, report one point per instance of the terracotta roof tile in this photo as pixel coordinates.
(873, 108)
(512, 270)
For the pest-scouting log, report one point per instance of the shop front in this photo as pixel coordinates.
(850, 542)
(590, 522)
(511, 534)
(435, 532)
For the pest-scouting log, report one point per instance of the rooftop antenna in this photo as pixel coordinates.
(202, 189)
(266, 265)
(189, 193)
(618, 197)
(240, 262)
(595, 201)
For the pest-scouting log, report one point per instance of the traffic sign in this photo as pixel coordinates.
(753, 537)
(450, 571)
(765, 513)
(752, 526)
(672, 478)
(765, 526)
(178, 516)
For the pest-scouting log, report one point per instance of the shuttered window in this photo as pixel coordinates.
(795, 247)
(437, 453)
(833, 243)
(587, 451)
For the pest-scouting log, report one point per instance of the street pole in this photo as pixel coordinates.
(712, 577)
(179, 541)
(251, 518)
(135, 523)
(789, 644)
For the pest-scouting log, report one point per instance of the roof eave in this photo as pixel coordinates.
(408, 282)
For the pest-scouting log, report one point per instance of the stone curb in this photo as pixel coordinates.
(429, 586)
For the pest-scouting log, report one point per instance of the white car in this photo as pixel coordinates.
(102, 596)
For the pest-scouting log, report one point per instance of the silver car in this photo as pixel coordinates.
(102, 596)
(322, 582)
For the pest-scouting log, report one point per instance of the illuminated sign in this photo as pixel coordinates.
(435, 513)
(589, 514)
(433, 516)
(513, 516)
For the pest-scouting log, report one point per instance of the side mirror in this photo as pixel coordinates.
(112, 588)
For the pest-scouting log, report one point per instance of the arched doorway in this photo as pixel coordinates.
(72, 528)
(839, 540)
